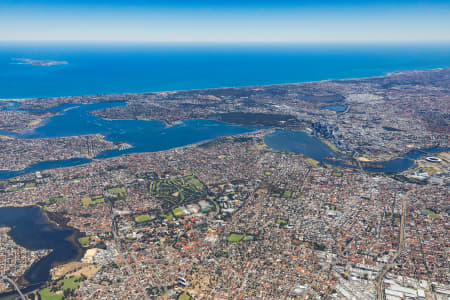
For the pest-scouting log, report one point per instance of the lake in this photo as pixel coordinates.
(31, 229)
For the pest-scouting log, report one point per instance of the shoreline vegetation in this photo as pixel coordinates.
(61, 222)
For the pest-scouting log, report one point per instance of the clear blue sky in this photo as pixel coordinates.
(225, 21)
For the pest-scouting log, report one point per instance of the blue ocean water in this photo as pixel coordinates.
(119, 68)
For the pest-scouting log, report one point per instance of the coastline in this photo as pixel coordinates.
(385, 74)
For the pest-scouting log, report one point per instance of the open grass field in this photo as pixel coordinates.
(184, 296)
(311, 161)
(178, 212)
(120, 192)
(235, 237)
(84, 241)
(14, 189)
(142, 218)
(30, 185)
(71, 283)
(287, 194)
(337, 174)
(167, 216)
(283, 193)
(431, 214)
(281, 222)
(92, 200)
(46, 294)
(55, 200)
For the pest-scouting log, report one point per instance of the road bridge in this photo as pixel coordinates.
(14, 285)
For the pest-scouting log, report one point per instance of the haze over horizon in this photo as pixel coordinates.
(225, 21)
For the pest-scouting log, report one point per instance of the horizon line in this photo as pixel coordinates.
(234, 42)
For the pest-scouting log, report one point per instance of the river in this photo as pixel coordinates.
(302, 143)
(143, 136)
(150, 136)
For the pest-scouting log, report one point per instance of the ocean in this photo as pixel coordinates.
(95, 68)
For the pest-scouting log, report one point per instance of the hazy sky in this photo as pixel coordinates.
(225, 21)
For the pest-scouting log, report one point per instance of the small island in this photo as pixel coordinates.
(37, 62)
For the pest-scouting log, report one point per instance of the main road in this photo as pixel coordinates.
(130, 269)
(387, 267)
